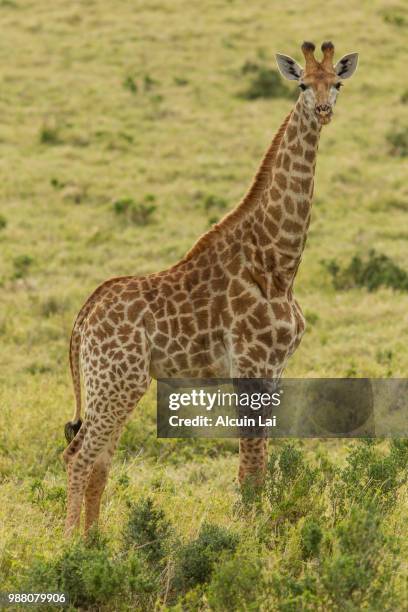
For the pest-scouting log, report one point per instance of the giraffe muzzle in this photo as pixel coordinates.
(324, 113)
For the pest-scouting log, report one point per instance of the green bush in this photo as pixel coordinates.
(370, 476)
(291, 485)
(235, 584)
(311, 537)
(92, 576)
(130, 84)
(376, 271)
(195, 560)
(398, 139)
(22, 264)
(357, 569)
(404, 97)
(211, 202)
(138, 213)
(264, 83)
(3, 222)
(148, 530)
(394, 17)
(50, 132)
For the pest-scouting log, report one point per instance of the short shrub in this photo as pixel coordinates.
(310, 538)
(292, 486)
(264, 83)
(138, 213)
(398, 140)
(394, 17)
(358, 569)
(148, 530)
(86, 574)
(370, 476)
(213, 202)
(22, 264)
(49, 132)
(293, 593)
(3, 222)
(52, 305)
(195, 560)
(235, 584)
(92, 576)
(130, 84)
(377, 270)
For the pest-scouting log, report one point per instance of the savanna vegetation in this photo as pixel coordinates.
(126, 130)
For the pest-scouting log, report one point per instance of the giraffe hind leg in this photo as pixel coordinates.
(89, 455)
(97, 482)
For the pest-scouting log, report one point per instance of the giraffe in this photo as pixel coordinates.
(226, 309)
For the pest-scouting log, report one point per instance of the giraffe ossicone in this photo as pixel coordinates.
(226, 310)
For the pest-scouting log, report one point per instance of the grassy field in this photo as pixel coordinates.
(126, 130)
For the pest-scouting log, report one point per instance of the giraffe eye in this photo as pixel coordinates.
(302, 86)
(338, 85)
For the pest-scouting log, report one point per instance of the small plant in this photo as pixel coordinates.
(148, 82)
(404, 97)
(376, 271)
(130, 84)
(181, 81)
(3, 222)
(264, 83)
(289, 485)
(357, 569)
(398, 140)
(147, 529)
(138, 213)
(52, 306)
(49, 132)
(370, 477)
(312, 318)
(195, 560)
(22, 265)
(235, 584)
(311, 537)
(211, 202)
(393, 17)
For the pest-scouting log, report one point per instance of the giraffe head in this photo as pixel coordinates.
(319, 82)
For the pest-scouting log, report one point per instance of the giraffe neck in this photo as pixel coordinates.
(285, 204)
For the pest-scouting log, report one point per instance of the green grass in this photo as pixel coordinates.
(142, 103)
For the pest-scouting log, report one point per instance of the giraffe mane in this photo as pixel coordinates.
(251, 197)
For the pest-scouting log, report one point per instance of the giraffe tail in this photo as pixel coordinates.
(72, 427)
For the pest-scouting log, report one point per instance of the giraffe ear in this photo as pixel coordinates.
(288, 67)
(346, 67)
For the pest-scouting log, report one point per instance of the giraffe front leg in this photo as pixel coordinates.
(253, 457)
(253, 452)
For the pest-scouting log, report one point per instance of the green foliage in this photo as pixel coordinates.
(311, 537)
(377, 270)
(291, 485)
(264, 83)
(3, 222)
(147, 529)
(357, 570)
(50, 132)
(130, 84)
(394, 17)
(398, 140)
(236, 584)
(195, 560)
(22, 265)
(370, 476)
(138, 213)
